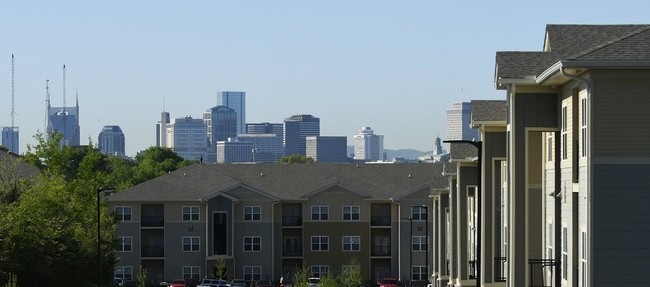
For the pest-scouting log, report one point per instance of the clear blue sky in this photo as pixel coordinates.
(395, 66)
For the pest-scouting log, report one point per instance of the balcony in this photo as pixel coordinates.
(152, 221)
(472, 269)
(541, 272)
(500, 269)
(152, 251)
(292, 251)
(380, 220)
(291, 220)
(380, 250)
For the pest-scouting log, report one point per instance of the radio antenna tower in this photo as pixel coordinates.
(65, 113)
(14, 129)
(47, 109)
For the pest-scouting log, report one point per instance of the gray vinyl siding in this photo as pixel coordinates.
(621, 230)
(494, 144)
(620, 113)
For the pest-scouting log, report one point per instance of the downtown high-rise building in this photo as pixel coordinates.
(296, 129)
(161, 130)
(111, 141)
(368, 146)
(458, 123)
(221, 124)
(187, 137)
(10, 139)
(65, 121)
(331, 149)
(237, 102)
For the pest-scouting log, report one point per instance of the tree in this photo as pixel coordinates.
(154, 162)
(299, 278)
(294, 158)
(142, 277)
(351, 277)
(220, 269)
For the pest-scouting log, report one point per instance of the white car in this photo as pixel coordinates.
(207, 282)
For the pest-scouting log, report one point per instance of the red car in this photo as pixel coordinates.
(389, 282)
(178, 283)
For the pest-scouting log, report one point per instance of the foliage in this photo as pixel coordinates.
(300, 277)
(294, 158)
(142, 277)
(220, 269)
(351, 277)
(154, 162)
(328, 280)
(11, 184)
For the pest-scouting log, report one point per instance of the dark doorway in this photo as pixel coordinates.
(220, 233)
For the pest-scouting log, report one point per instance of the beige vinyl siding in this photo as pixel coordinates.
(335, 198)
(620, 113)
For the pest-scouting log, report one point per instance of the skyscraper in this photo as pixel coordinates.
(368, 146)
(237, 102)
(188, 138)
(232, 151)
(161, 130)
(111, 141)
(64, 120)
(10, 138)
(458, 121)
(221, 124)
(296, 129)
(327, 148)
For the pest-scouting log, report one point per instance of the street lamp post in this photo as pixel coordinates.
(99, 250)
(479, 146)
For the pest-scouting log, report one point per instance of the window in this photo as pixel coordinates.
(126, 244)
(252, 243)
(190, 243)
(549, 242)
(583, 126)
(123, 213)
(418, 213)
(565, 146)
(583, 259)
(351, 243)
(419, 273)
(252, 213)
(565, 254)
(549, 147)
(193, 272)
(419, 243)
(319, 212)
(190, 213)
(252, 273)
(124, 272)
(319, 243)
(320, 270)
(351, 212)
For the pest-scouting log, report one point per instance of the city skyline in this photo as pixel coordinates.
(368, 63)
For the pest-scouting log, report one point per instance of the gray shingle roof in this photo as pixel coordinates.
(489, 110)
(23, 169)
(577, 42)
(462, 151)
(286, 181)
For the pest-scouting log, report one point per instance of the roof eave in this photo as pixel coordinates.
(503, 83)
(477, 124)
(556, 68)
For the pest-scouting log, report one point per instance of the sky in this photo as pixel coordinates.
(395, 66)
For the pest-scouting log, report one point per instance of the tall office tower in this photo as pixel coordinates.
(237, 102)
(188, 138)
(458, 121)
(111, 141)
(64, 120)
(232, 151)
(10, 138)
(265, 128)
(266, 148)
(368, 146)
(296, 129)
(327, 148)
(221, 124)
(161, 130)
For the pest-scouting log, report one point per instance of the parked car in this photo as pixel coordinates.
(238, 283)
(313, 282)
(263, 283)
(207, 282)
(389, 282)
(178, 283)
(118, 282)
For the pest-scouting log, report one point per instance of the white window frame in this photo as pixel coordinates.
(583, 259)
(193, 272)
(351, 243)
(565, 134)
(252, 213)
(583, 126)
(320, 212)
(421, 272)
(420, 242)
(352, 212)
(123, 244)
(549, 146)
(124, 272)
(418, 213)
(321, 241)
(565, 253)
(250, 242)
(320, 270)
(121, 213)
(193, 213)
(252, 272)
(191, 243)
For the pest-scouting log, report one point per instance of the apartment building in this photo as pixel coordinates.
(266, 221)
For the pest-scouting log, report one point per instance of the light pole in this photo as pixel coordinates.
(99, 250)
(479, 147)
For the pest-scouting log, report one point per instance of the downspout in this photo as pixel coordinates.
(205, 202)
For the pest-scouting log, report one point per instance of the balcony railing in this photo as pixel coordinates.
(472, 269)
(153, 221)
(380, 220)
(152, 251)
(542, 272)
(292, 251)
(500, 269)
(380, 250)
(291, 220)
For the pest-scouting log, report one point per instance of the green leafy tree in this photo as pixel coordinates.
(299, 278)
(294, 158)
(328, 280)
(351, 277)
(154, 162)
(142, 277)
(220, 269)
